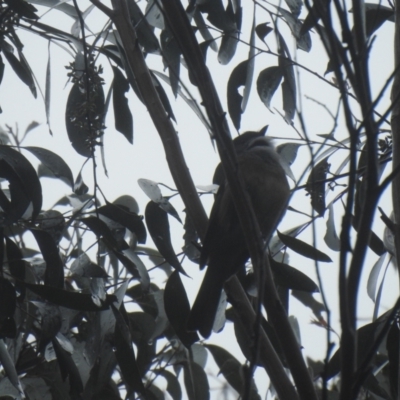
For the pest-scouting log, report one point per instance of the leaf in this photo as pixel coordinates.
(151, 189)
(8, 303)
(19, 67)
(228, 47)
(236, 80)
(173, 385)
(68, 369)
(163, 96)
(203, 29)
(124, 353)
(392, 346)
(294, 6)
(122, 113)
(316, 186)
(303, 41)
(145, 33)
(292, 278)
(140, 268)
(80, 187)
(16, 264)
(54, 163)
(375, 16)
(267, 82)
(65, 298)
(47, 92)
(154, 15)
(303, 248)
(25, 186)
(171, 57)
(177, 308)
(309, 301)
(23, 8)
(231, 369)
(331, 238)
(54, 275)
(77, 117)
(288, 151)
(289, 82)
(129, 220)
(103, 232)
(191, 239)
(262, 30)
(9, 368)
(196, 382)
(158, 226)
(373, 277)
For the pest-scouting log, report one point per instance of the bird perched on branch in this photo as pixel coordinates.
(224, 248)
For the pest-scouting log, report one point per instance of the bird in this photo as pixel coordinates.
(224, 249)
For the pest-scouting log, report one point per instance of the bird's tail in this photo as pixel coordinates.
(205, 307)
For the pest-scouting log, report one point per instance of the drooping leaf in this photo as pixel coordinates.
(375, 16)
(23, 8)
(231, 369)
(262, 30)
(250, 65)
(303, 248)
(303, 41)
(54, 163)
(54, 275)
(196, 382)
(16, 264)
(80, 188)
(203, 29)
(128, 219)
(392, 346)
(68, 299)
(289, 82)
(25, 186)
(103, 232)
(163, 96)
(316, 183)
(309, 301)
(122, 113)
(8, 303)
(151, 189)
(177, 308)
(154, 15)
(191, 238)
(68, 369)
(20, 69)
(145, 33)
(236, 80)
(217, 15)
(228, 47)
(292, 278)
(78, 115)
(331, 238)
(173, 385)
(267, 82)
(295, 6)
(288, 151)
(158, 226)
(47, 92)
(373, 277)
(171, 57)
(9, 368)
(125, 354)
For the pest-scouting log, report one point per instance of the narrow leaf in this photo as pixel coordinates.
(54, 163)
(122, 113)
(177, 308)
(316, 183)
(303, 248)
(267, 82)
(158, 226)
